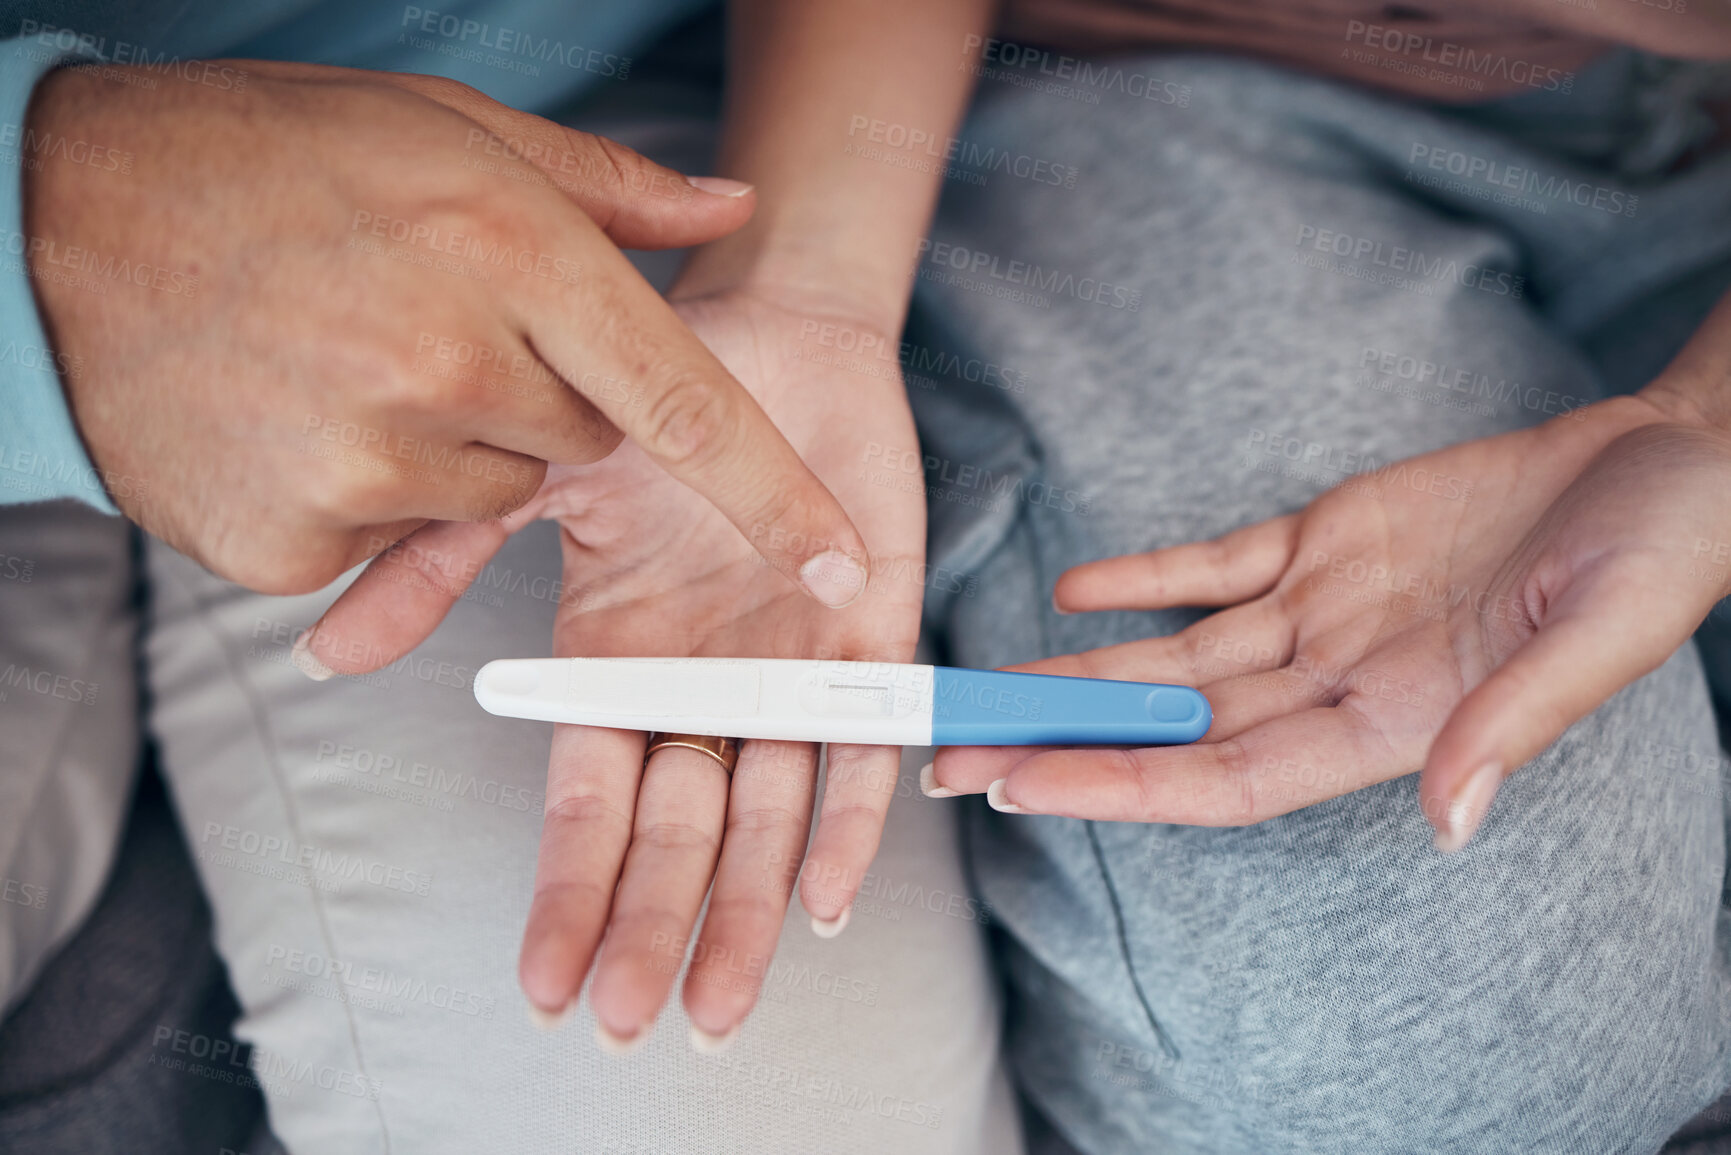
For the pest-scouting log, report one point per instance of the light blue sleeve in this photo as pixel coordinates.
(41, 456)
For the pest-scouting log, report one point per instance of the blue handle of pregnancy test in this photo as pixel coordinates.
(993, 708)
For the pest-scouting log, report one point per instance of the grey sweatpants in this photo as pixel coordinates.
(1176, 343)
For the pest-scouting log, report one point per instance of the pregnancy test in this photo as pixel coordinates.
(876, 703)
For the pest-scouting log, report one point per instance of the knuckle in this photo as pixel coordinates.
(859, 810)
(447, 90)
(765, 822)
(753, 913)
(688, 422)
(1239, 804)
(623, 170)
(499, 221)
(557, 895)
(398, 386)
(578, 811)
(337, 491)
(677, 837)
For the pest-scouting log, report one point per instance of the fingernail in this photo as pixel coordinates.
(999, 800)
(929, 784)
(1461, 820)
(719, 186)
(834, 578)
(705, 1043)
(832, 927)
(619, 1044)
(1056, 608)
(306, 661)
(549, 1020)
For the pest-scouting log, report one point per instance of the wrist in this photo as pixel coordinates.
(1695, 388)
(809, 277)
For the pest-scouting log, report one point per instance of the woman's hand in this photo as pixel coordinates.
(1453, 613)
(651, 569)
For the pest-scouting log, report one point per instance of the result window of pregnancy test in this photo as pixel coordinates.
(838, 699)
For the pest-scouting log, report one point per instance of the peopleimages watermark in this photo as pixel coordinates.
(223, 845)
(479, 583)
(954, 157)
(887, 896)
(23, 894)
(29, 355)
(1457, 387)
(510, 49)
(401, 454)
(29, 147)
(1513, 184)
(521, 371)
(359, 651)
(1069, 77)
(1136, 1068)
(874, 355)
(79, 266)
(125, 54)
(1710, 560)
(440, 243)
(963, 483)
(345, 764)
(750, 971)
(1446, 62)
(543, 164)
(17, 569)
(27, 471)
(1380, 262)
(227, 1061)
(369, 986)
(1219, 656)
(816, 1093)
(979, 271)
(1398, 590)
(47, 683)
(1301, 459)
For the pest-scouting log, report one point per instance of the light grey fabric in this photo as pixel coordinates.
(369, 844)
(1326, 981)
(68, 723)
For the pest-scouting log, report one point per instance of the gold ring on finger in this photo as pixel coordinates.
(724, 750)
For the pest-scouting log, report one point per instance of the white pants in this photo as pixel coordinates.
(368, 845)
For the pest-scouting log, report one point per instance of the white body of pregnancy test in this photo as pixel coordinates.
(876, 703)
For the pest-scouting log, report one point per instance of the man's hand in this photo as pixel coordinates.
(1453, 613)
(332, 306)
(651, 570)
